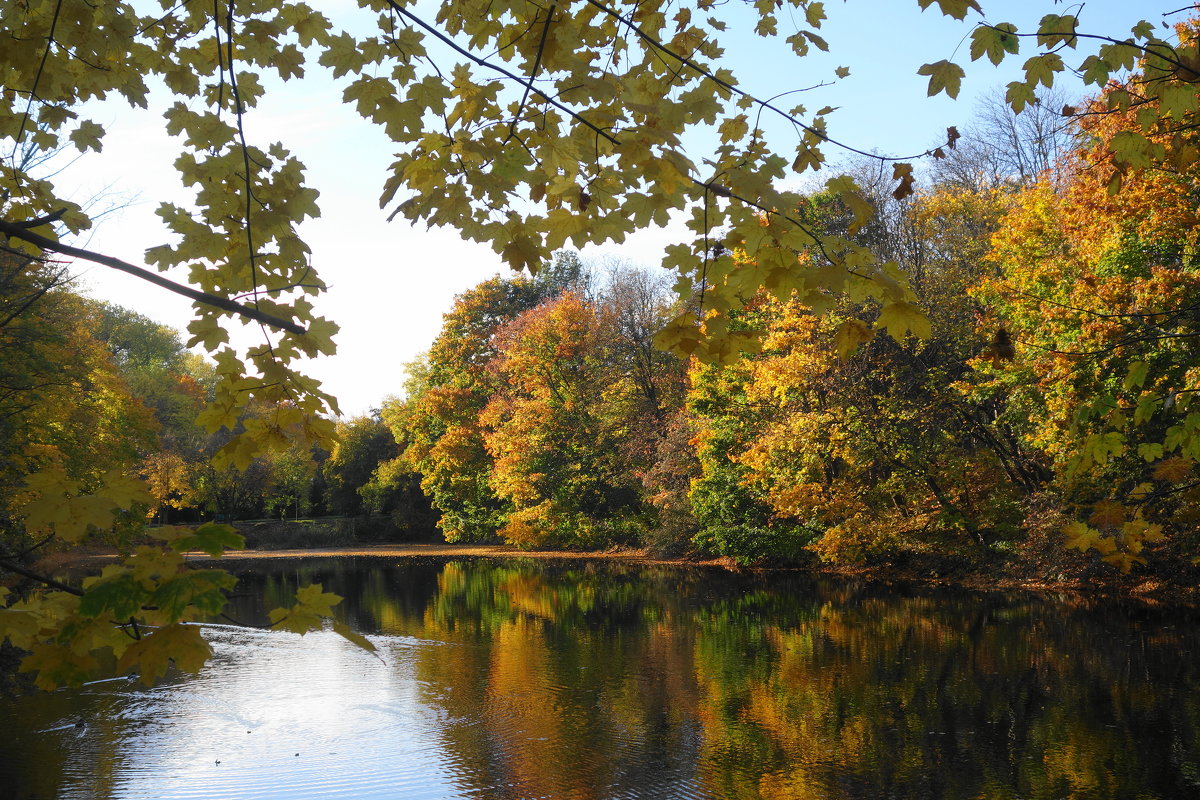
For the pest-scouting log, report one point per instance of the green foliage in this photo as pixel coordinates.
(363, 443)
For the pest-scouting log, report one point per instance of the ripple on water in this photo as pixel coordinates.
(272, 716)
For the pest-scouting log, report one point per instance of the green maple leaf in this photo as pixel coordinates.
(179, 643)
(121, 596)
(212, 538)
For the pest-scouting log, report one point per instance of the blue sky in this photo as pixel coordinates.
(390, 283)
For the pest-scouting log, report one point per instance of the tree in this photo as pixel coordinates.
(1003, 148)
(63, 404)
(565, 123)
(556, 428)
(292, 473)
(363, 444)
(1099, 292)
(440, 422)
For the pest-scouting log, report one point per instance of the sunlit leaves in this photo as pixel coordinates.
(903, 318)
(944, 76)
(994, 41)
(178, 644)
(1054, 30)
(55, 503)
(312, 605)
(952, 8)
(1041, 69)
(1133, 150)
(1121, 546)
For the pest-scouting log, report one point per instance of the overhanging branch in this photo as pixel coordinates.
(20, 231)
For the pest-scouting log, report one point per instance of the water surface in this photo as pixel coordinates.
(503, 679)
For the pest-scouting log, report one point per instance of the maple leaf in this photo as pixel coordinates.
(943, 76)
(1082, 537)
(1019, 95)
(1173, 469)
(994, 41)
(1108, 512)
(850, 334)
(179, 643)
(904, 173)
(902, 318)
(952, 8)
(1123, 560)
(88, 136)
(1054, 29)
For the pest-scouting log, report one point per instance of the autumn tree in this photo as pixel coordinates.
(859, 446)
(1099, 291)
(558, 428)
(450, 387)
(64, 405)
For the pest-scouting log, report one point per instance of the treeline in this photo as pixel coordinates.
(89, 387)
(1045, 419)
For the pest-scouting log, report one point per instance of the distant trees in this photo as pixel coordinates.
(1048, 404)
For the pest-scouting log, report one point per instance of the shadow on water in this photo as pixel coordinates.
(521, 679)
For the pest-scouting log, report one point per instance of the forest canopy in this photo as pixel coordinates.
(532, 127)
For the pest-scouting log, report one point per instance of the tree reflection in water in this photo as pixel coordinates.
(595, 680)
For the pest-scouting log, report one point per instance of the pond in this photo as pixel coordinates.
(523, 679)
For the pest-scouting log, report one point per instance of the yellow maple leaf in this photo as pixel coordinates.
(901, 318)
(1082, 536)
(850, 334)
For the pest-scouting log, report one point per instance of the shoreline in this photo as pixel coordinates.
(1147, 590)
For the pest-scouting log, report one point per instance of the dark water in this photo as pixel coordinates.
(536, 680)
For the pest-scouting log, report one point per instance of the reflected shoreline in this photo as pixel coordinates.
(1106, 585)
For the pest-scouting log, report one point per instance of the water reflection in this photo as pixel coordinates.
(532, 679)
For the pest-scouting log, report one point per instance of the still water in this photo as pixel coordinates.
(503, 679)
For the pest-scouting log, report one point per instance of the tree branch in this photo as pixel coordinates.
(53, 584)
(16, 230)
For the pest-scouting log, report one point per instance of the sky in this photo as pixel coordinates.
(390, 283)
